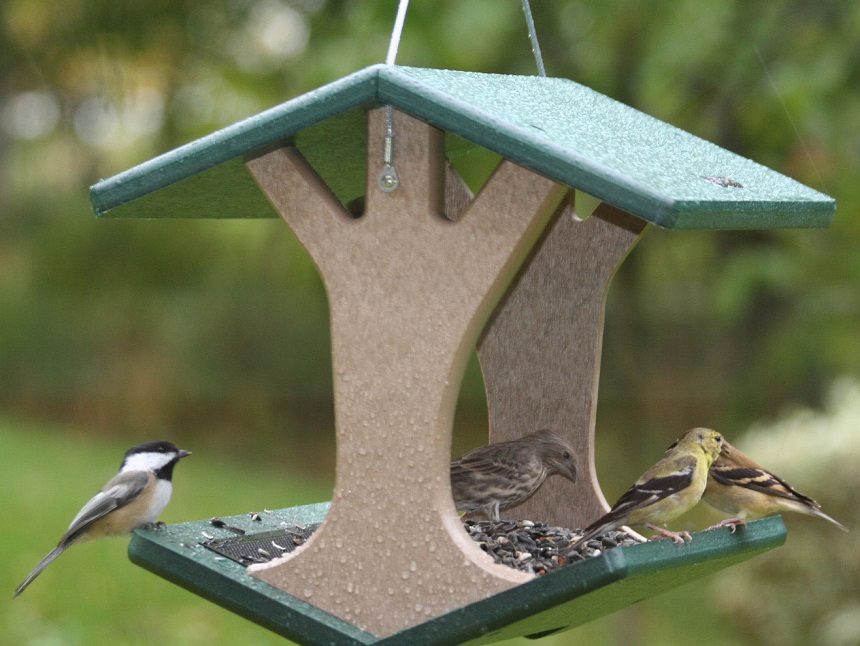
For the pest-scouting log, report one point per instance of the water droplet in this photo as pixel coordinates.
(413, 566)
(307, 592)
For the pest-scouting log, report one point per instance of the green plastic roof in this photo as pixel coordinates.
(554, 126)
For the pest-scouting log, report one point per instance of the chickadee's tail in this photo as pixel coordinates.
(45, 562)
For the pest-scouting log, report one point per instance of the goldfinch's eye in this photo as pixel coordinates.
(718, 438)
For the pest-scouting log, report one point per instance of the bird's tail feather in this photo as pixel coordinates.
(45, 562)
(821, 514)
(595, 529)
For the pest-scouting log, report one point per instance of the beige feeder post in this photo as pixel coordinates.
(540, 354)
(409, 292)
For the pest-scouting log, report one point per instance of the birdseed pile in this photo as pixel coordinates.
(537, 548)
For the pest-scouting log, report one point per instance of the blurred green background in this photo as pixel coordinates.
(214, 334)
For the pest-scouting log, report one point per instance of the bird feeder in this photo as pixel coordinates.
(415, 280)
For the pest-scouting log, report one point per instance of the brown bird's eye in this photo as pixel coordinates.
(566, 455)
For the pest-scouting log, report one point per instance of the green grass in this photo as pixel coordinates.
(94, 595)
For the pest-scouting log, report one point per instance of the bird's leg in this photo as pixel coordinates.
(677, 537)
(157, 526)
(731, 523)
(636, 536)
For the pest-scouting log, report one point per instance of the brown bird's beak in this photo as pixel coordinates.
(570, 473)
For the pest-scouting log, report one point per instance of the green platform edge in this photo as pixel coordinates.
(569, 597)
(554, 126)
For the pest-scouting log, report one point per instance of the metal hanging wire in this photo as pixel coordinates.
(530, 22)
(388, 179)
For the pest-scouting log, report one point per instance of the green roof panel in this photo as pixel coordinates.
(554, 126)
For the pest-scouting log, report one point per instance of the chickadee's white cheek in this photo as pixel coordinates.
(151, 461)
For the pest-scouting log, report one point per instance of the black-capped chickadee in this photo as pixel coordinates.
(134, 497)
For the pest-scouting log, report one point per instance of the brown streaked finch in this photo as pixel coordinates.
(670, 488)
(740, 487)
(504, 474)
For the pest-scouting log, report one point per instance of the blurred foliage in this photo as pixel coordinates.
(185, 326)
(218, 330)
(805, 592)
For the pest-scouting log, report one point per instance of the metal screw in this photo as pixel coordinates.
(388, 179)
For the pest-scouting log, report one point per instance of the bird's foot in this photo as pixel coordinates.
(636, 536)
(157, 526)
(677, 537)
(731, 523)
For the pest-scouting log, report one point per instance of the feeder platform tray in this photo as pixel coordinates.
(568, 597)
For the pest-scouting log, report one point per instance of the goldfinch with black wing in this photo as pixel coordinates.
(134, 497)
(670, 488)
(740, 487)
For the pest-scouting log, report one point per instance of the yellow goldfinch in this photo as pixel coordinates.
(668, 489)
(740, 487)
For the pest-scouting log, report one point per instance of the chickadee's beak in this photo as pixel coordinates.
(183, 454)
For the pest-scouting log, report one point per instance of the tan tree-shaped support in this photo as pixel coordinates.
(540, 353)
(409, 292)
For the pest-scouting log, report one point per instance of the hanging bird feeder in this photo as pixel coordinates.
(417, 279)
